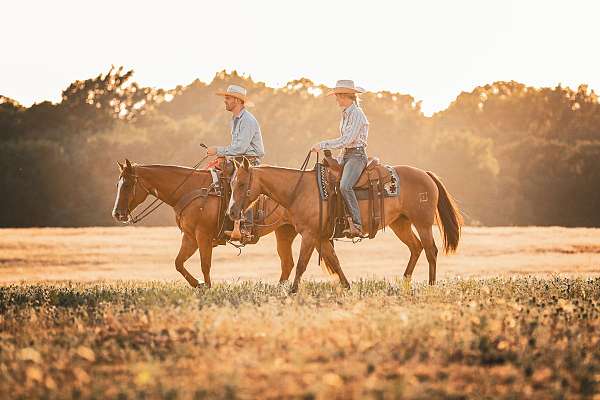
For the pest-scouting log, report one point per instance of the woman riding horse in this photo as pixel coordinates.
(354, 131)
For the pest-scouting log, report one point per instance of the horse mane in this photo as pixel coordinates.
(169, 167)
(267, 166)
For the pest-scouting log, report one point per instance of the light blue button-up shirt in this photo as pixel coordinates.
(354, 130)
(246, 138)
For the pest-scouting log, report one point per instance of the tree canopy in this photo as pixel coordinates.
(512, 154)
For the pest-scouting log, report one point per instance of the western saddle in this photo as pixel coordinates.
(220, 188)
(369, 186)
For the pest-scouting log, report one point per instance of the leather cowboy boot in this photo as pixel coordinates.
(352, 231)
(236, 233)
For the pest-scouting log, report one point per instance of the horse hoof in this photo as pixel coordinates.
(293, 290)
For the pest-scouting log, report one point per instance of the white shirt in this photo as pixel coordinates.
(354, 130)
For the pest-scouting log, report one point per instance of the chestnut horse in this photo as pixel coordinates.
(423, 199)
(198, 221)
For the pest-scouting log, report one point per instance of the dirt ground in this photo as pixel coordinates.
(148, 253)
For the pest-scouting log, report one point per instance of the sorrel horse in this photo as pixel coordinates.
(423, 199)
(198, 221)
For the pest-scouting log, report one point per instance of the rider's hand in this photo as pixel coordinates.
(316, 148)
(211, 151)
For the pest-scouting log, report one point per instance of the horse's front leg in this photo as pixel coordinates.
(333, 263)
(306, 249)
(188, 248)
(204, 243)
(285, 236)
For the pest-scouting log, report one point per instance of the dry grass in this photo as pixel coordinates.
(139, 253)
(101, 313)
(493, 338)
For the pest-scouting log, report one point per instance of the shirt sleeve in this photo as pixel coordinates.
(240, 142)
(349, 133)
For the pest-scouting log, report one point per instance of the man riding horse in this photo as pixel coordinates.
(246, 138)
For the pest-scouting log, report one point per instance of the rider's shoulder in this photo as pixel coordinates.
(359, 113)
(248, 116)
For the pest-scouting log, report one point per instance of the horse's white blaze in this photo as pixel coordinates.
(232, 183)
(119, 186)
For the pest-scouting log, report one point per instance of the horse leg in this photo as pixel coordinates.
(205, 246)
(333, 263)
(306, 249)
(402, 229)
(431, 251)
(188, 248)
(285, 236)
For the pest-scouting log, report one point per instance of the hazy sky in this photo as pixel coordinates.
(432, 50)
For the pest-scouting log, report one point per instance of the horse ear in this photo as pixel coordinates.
(246, 163)
(121, 166)
(127, 163)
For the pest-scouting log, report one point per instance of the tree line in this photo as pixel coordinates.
(511, 154)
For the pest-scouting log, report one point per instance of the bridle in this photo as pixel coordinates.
(150, 208)
(136, 180)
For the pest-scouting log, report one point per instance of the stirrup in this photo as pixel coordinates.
(353, 231)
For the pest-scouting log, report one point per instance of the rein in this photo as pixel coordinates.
(302, 168)
(144, 213)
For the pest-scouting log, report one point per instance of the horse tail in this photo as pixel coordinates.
(448, 216)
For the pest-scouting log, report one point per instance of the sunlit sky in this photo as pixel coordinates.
(432, 50)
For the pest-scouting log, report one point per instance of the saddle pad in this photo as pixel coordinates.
(322, 181)
(392, 188)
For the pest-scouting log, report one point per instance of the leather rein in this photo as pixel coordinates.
(152, 207)
(302, 168)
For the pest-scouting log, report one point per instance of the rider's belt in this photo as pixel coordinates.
(351, 149)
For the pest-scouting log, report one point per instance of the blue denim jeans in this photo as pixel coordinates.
(354, 162)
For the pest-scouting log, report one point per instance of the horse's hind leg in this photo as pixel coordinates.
(431, 251)
(188, 248)
(306, 249)
(285, 236)
(333, 263)
(402, 229)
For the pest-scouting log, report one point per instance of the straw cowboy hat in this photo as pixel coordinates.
(345, 86)
(238, 92)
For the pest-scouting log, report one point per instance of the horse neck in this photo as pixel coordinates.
(163, 181)
(279, 183)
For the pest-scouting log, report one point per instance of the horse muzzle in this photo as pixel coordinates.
(121, 217)
(234, 212)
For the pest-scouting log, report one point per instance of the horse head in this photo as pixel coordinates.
(244, 191)
(130, 192)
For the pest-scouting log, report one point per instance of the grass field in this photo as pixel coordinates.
(507, 338)
(101, 313)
